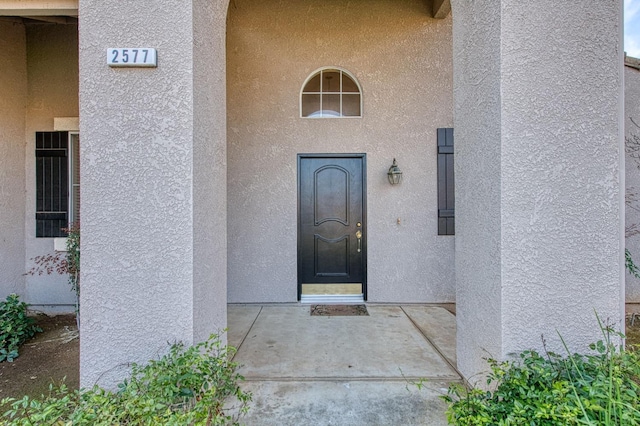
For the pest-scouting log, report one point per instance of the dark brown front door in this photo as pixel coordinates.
(331, 220)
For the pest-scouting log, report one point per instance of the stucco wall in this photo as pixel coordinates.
(539, 174)
(52, 72)
(478, 223)
(210, 166)
(632, 134)
(153, 212)
(13, 90)
(402, 59)
(562, 151)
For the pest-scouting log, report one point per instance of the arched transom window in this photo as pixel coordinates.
(331, 93)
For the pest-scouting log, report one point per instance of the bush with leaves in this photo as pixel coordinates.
(600, 388)
(67, 262)
(15, 327)
(630, 265)
(197, 385)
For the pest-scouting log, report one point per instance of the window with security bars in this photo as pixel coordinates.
(57, 182)
(331, 93)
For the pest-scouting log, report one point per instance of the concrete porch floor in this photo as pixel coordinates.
(344, 370)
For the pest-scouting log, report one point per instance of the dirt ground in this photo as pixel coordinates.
(54, 354)
(633, 333)
(47, 357)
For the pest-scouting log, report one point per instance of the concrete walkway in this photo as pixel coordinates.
(344, 370)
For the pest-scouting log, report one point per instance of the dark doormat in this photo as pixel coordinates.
(338, 310)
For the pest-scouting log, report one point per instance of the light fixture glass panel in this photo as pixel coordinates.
(313, 85)
(348, 85)
(331, 81)
(331, 105)
(310, 105)
(351, 105)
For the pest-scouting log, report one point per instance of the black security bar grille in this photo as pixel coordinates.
(52, 183)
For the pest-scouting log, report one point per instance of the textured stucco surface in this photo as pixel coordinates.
(210, 166)
(149, 250)
(402, 59)
(13, 90)
(539, 174)
(562, 239)
(632, 128)
(477, 131)
(52, 72)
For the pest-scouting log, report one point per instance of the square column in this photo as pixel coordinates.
(538, 93)
(153, 165)
(13, 102)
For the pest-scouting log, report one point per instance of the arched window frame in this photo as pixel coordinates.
(343, 72)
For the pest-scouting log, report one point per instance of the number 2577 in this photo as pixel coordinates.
(129, 55)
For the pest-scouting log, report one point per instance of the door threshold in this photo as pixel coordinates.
(332, 299)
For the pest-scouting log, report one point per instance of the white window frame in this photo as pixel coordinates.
(74, 144)
(60, 243)
(320, 93)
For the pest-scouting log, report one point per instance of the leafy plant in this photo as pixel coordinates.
(63, 263)
(73, 263)
(632, 268)
(197, 385)
(599, 388)
(72, 256)
(15, 327)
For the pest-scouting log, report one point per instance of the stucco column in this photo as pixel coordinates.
(153, 164)
(13, 100)
(539, 174)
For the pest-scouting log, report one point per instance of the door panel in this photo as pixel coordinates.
(331, 216)
(331, 257)
(331, 195)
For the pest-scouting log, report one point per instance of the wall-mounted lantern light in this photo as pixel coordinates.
(394, 174)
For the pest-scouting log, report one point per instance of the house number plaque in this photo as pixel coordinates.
(132, 57)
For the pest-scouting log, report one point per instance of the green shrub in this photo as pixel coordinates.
(15, 327)
(630, 265)
(67, 262)
(197, 385)
(600, 388)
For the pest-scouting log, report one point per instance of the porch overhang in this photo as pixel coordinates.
(30, 8)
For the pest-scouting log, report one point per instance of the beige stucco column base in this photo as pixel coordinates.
(153, 182)
(539, 175)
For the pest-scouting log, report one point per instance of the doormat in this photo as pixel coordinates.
(339, 310)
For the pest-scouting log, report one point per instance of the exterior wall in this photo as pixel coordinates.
(210, 170)
(403, 61)
(632, 129)
(52, 72)
(477, 128)
(562, 149)
(13, 87)
(535, 254)
(153, 206)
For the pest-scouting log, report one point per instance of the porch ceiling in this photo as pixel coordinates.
(441, 8)
(60, 8)
(39, 8)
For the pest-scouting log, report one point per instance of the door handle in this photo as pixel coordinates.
(359, 237)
